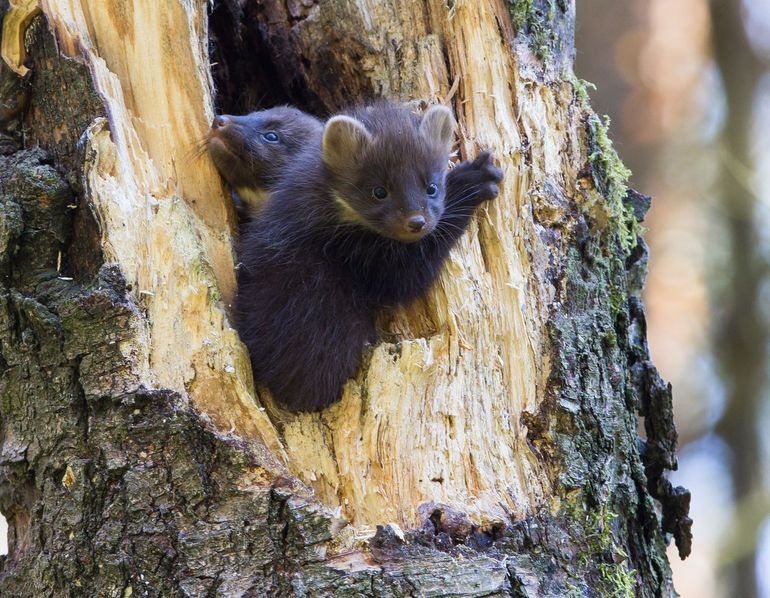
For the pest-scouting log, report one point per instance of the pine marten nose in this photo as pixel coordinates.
(415, 224)
(220, 122)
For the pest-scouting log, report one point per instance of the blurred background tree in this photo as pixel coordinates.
(686, 84)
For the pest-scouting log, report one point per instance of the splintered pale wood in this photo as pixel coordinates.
(161, 208)
(436, 416)
(19, 15)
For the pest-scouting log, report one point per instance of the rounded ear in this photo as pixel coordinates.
(438, 126)
(344, 139)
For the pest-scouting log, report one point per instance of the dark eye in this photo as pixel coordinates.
(270, 137)
(380, 192)
(431, 190)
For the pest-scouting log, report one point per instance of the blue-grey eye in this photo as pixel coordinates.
(431, 190)
(380, 192)
(270, 137)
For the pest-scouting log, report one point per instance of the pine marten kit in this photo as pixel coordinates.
(344, 218)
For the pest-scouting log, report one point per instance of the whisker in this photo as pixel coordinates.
(196, 150)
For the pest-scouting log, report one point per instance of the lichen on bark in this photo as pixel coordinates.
(587, 423)
(544, 26)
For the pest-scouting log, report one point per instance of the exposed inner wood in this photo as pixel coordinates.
(15, 22)
(162, 210)
(436, 414)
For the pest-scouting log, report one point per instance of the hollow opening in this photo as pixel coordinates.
(245, 72)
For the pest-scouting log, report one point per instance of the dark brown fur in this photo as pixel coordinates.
(315, 269)
(249, 163)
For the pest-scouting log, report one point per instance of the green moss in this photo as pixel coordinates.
(601, 520)
(609, 173)
(610, 339)
(520, 12)
(535, 19)
(618, 299)
(605, 157)
(617, 580)
(581, 87)
(573, 591)
(602, 558)
(611, 178)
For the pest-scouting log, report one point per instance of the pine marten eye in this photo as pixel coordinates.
(380, 192)
(431, 190)
(270, 137)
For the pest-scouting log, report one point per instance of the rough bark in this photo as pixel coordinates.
(496, 422)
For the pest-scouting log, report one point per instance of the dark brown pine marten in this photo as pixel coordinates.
(362, 220)
(252, 151)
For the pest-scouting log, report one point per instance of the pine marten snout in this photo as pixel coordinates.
(252, 151)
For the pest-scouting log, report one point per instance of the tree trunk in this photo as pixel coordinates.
(489, 444)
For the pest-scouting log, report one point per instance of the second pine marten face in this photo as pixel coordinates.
(388, 168)
(251, 151)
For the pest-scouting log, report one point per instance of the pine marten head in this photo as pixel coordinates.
(251, 151)
(388, 168)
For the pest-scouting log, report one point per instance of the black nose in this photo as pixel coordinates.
(415, 224)
(220, 121)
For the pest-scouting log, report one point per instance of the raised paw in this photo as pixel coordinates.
(489, 175)
(476, 181)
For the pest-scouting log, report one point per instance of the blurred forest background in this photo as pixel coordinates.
(686, 84)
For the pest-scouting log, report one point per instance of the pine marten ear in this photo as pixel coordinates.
(438, 126)
(345, 138)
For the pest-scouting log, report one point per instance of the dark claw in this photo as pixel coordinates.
(480, 176)
(484, 172)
